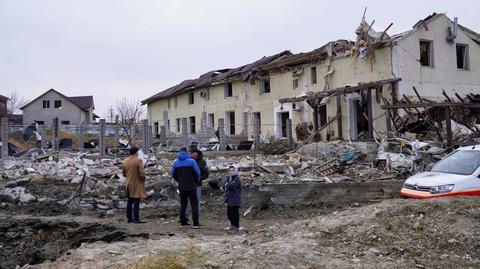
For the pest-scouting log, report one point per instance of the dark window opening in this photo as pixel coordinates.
(178, 125)
(65, 122)
(40, 122)
(462, 56)
(46, 104)
(228, 90)
(192, 124)
(58, 104)
(313, 72)
(284, 116)
(426, 53)
(361, 110)
(295, 83)
(264, 86)
(258, 121)
(322, 115)
(231, 122)
(155, 128)
(191, 98)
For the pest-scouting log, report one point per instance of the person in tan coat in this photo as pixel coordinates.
(135, 174)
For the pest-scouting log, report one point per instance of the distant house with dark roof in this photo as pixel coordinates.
(74, 110)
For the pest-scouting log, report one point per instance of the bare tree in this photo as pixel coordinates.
(111, 114)
(14, 103)
(127, 114)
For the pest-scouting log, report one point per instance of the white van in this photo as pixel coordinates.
(456, 174)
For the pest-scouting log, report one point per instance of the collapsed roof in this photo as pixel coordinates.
(368, 40)
(242, 72)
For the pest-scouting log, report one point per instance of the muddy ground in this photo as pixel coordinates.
(395, 233)
(37, 232)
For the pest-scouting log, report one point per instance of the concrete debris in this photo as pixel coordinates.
(81, 181)
(17, 194)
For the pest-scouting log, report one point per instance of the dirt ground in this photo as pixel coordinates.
(396, 233)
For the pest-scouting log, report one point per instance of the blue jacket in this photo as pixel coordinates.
(186, 172)
(233, 191)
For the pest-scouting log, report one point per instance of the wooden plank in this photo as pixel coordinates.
(449, 129)
(267, 169)
(459, 98)
(389, 122)
(442, 104)
(293, 99)
(369, 85)
(392, 118)
(341, 90)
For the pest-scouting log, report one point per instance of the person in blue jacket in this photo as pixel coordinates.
(233, 195)
(186, 172)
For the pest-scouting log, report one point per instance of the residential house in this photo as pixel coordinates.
(52, 104)
(224, 93)
(338, 88)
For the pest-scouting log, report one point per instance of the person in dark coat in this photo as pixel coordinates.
(133, 170)
(197, 155)
(233, 196)
(186, 172)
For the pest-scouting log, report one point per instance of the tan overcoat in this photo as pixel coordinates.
(135, 174)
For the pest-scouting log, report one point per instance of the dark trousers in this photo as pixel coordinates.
(234, 215)
(133, 208)
(184, 197)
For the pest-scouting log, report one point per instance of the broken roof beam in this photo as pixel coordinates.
(351, 89)
(340, 91)
(293, 99)
(443, 104)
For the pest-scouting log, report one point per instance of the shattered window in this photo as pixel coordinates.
(462, 56)
(264, 86)
(228, 90)
(426, 53)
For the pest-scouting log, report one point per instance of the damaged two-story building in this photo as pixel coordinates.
(338, 89)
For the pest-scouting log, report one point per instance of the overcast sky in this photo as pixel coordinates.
(112, 48)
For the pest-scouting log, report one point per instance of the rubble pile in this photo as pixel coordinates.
(79, 181)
